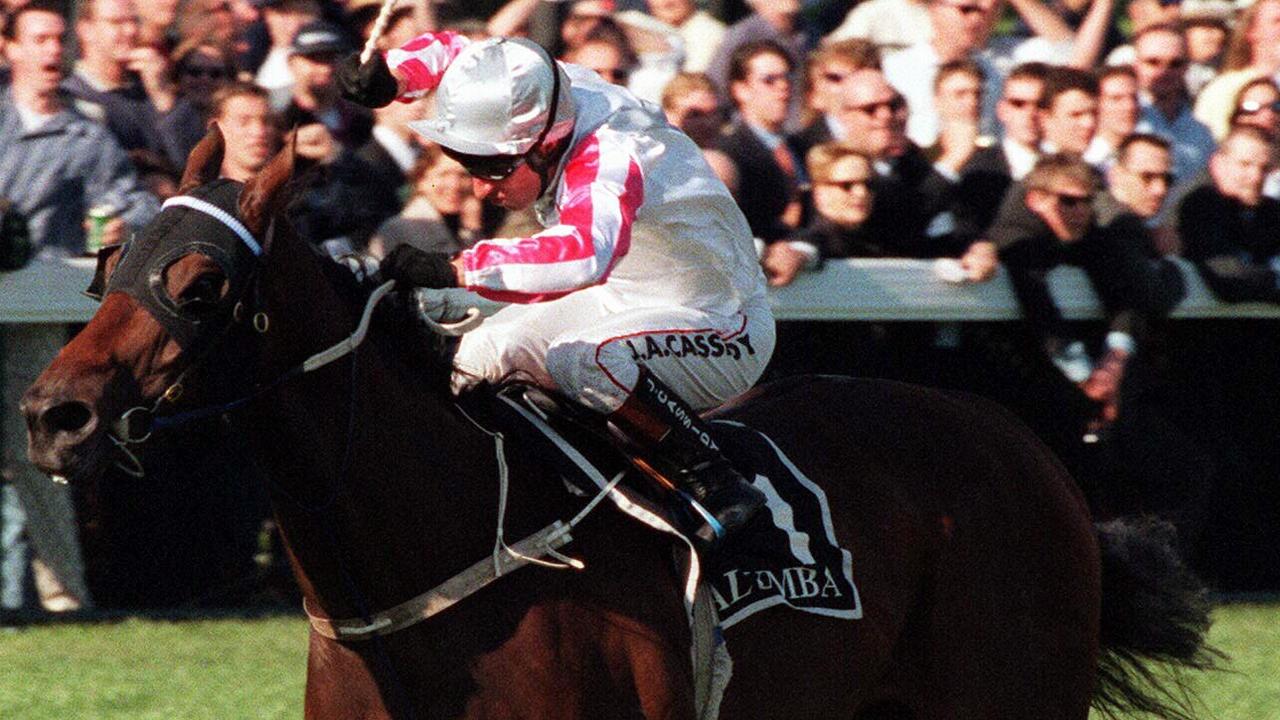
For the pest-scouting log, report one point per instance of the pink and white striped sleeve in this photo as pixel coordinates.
(603, 190)
(422, 61)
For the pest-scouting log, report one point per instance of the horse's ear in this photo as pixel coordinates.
(267, 194)
(205, 162)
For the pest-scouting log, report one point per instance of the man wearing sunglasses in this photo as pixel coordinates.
(1161, 67)
(642, 298)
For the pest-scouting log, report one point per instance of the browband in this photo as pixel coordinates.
(218, 214)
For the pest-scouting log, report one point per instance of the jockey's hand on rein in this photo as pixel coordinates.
(411, 267)
(370, 84)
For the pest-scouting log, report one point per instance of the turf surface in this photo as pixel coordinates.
(235, 668)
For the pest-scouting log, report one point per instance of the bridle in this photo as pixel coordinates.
(140, 274)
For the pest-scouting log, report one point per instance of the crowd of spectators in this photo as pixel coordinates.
(1031, 134)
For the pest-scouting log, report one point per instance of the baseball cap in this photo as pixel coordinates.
(319, 38)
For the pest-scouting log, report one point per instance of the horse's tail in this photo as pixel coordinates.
(1155, 615)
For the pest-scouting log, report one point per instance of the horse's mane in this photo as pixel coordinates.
(395, 329)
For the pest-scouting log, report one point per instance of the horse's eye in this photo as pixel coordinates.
(201, 297)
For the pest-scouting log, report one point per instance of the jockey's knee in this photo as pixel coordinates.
(587, 373)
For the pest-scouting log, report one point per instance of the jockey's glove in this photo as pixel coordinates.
(409, 266)
(370, 84)
(449, 305)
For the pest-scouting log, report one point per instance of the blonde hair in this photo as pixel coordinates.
(1060, 166)
(821, 158)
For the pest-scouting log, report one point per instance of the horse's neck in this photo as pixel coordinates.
(362, 490)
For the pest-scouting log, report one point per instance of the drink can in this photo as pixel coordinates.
(99, 216)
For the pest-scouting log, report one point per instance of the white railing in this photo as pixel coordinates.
(883, 290)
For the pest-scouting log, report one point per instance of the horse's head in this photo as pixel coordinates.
(169, 296)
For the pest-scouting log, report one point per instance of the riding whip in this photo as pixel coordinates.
(379, 27)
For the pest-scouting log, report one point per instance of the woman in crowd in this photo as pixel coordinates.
(441, 216)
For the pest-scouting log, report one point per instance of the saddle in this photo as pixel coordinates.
(787, 554)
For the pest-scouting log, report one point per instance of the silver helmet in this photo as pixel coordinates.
(496, 98)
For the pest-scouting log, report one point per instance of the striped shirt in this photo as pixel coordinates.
(56, 172)
(633, 206)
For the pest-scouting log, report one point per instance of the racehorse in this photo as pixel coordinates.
(987, 590)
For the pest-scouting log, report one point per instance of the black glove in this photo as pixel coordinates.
(371, 84)
(408, 265)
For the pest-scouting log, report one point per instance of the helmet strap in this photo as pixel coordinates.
(544, 160)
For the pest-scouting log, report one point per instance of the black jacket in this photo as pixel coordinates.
(1127, 281)
(1231, 245)
(764, 189)
(984, 180)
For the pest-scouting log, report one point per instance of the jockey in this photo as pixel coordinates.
(642, 298)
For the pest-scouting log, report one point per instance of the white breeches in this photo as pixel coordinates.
(577, 345)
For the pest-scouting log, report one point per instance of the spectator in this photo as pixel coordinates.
(957, 95)
(1117, 114)
(1205, 26)
(390, 153)
(1138, 183)
(888, 24)
(214, 21)
(826, 70)
(54, 164)
(242, 111)
(842, 201)
(131, 83)
(154, 19)
(962, 30)
(912, 194)
(700, 32)
(769, 175)
(1143, 14)
(1228, 228)
(1161, 69)
(1068, 111)
(606, 51)
(1258, 104)
(1051, 222)
(1253, 51)
(201, 68)
(442, 214)
(283, 20)
(778, 21)
(689, 102)
(987, 175)
(401, 27)
(315, 96)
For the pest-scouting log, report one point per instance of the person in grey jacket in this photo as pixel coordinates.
(54, 166)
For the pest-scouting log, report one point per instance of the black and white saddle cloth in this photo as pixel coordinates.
(787, 555)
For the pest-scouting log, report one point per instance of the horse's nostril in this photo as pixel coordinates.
(67, 417)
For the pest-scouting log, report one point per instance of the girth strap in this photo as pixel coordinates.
(442, 597)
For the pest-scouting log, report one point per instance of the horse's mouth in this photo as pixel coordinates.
(82, 462)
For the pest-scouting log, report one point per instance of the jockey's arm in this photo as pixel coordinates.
(418, 64)
(601, 191)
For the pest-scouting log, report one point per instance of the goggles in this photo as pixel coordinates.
(487, 167)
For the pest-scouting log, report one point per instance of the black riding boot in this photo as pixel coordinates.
(677, 444)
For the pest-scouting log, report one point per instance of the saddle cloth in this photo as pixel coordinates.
(787, 555)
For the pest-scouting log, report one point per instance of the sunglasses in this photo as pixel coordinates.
(896, 105)
(487, 167)
(1250, 107)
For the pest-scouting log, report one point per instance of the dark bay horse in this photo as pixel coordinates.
(987, 591)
